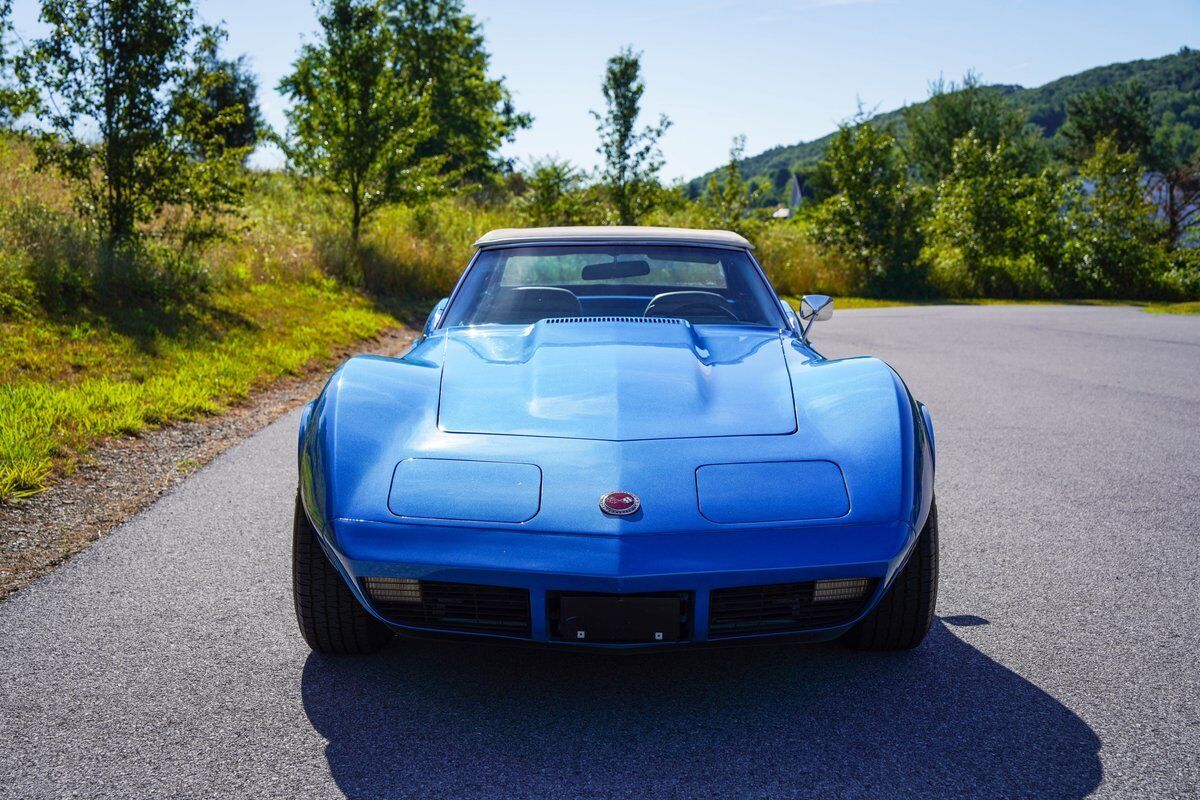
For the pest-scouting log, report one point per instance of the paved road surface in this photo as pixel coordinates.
(165, 661)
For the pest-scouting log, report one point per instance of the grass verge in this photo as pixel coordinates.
(1174, 308)
(66, 384)
(871, 302)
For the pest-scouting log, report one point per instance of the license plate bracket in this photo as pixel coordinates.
(620, 619)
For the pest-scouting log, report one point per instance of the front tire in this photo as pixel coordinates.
(331, 619)
(902, 618)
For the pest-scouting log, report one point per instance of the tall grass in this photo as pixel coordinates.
(795, 265)
(292, 232)
(420, 252)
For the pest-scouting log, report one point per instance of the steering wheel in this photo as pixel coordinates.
(688, 304)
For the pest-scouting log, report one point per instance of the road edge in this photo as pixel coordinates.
(121, 477)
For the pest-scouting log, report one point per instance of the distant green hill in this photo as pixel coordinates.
(1173, 82)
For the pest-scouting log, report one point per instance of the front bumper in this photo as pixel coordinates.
(548, 564)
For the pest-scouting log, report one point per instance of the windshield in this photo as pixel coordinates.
(704, 285)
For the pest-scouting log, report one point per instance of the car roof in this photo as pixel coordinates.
(608, 234)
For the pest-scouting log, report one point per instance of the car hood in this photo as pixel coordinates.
(616, 379)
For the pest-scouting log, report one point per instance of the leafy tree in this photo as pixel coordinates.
(215, 129)
(108, 72)
(1113, 235)
(1170, 150)
(780, 178)
(872, 219)
(552, 195)
(354, 123)
(992, 230)
(222, 96)
(731, 198)
(815, 182)
(632, 159)
(954, 110)
(1174, 180)
(1120, 113)
(441, 55)
(13, 97)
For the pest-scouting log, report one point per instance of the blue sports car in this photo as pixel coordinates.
(615, 438)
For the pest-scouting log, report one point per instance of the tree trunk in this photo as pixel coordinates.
(1172, 212)
(354, 272)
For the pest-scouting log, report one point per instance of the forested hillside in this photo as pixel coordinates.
(1172, 81)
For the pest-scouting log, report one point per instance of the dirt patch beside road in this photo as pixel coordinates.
(123, 476)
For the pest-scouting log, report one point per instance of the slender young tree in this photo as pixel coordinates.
(111, 70)
(354, 123)
(730, 195)
(632, 159)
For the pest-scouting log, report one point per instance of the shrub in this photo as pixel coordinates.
(1113, 235)
(872, 220)
(18, 294)
(52, 260)
(1181, 281)
(554, 194)
(795, 264)
(53, 252)
(990, 231)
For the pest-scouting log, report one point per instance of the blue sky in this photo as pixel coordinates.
(778, 71)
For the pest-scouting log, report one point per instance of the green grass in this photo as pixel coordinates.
(844, 303)
(67, 384)
(858, 302)
(1192, 307)
(872, 302)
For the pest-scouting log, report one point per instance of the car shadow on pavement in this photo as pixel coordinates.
(437, 719)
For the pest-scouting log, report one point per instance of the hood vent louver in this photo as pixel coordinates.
(643, 320)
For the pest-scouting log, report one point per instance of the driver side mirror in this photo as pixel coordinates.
(814, 308)
(435, 317)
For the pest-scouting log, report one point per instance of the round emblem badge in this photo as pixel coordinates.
(619, 504)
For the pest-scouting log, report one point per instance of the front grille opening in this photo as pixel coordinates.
(452, 606)
(787, 606)
(644, 320)
(624, 631)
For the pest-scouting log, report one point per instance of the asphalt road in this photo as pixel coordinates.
(165, 660)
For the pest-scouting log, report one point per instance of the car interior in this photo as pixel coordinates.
(522, 305)
(622, 285)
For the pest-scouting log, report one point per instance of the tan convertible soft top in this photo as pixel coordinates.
(612, 233)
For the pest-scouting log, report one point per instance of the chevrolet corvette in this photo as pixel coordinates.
(615, 438)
